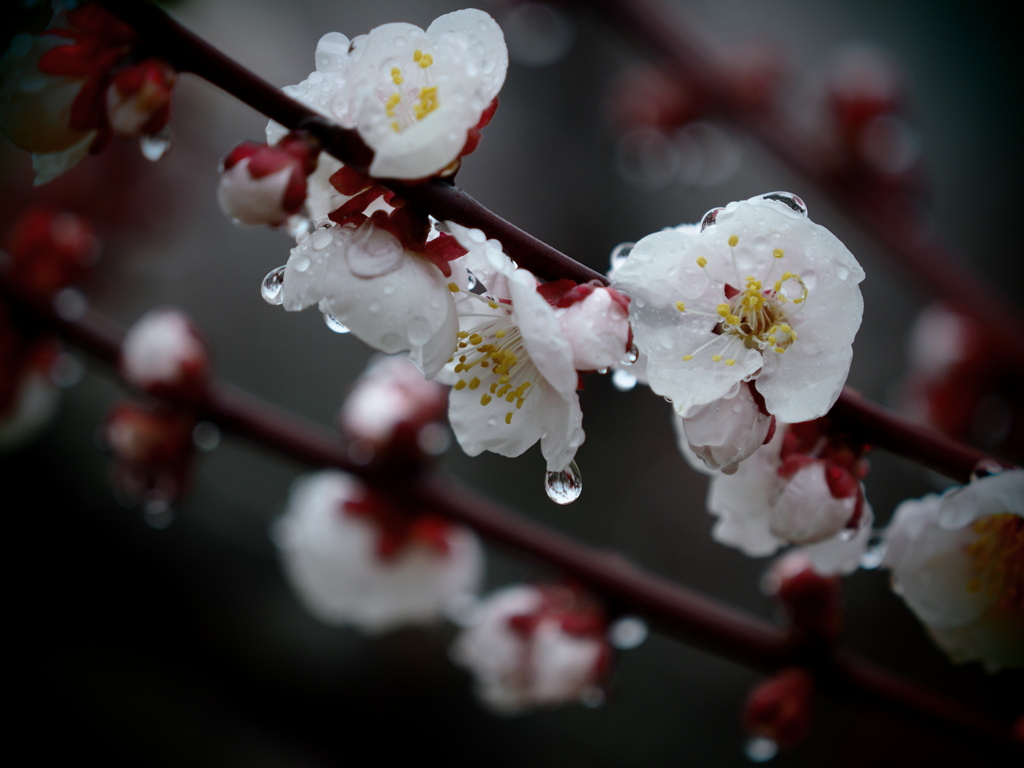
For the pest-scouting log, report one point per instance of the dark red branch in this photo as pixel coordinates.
(627, 588)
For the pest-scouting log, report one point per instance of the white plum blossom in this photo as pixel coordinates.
(513, 377)
(355, 561)
(530, 646)
(390, 392)
(391, 298)
(771, 502)
(760, 293)
(417, 98)
(164, 349)
(726, 431)
(957, 559)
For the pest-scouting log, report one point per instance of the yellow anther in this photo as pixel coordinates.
(785, 329)
(475, 339)
(733, 320)
(778, 253)
(780, 350)
(510, 397)
(460, 384)
(485, 399)
(519, 402)
(493, 305)
(453, 287)
(425, 60)
(504, 379)
(680, 306)
(702, 262)
(460, 368)
(396, 76)
(723, 310)
(474, 383)
(417, 55)
(733, 239)
(463, 334)
(717, 358)
(500, 333)
(503, 389)
(730, 361)
(395, 126)
(508, 417)
(428, 102)
(687, 357)
(798, 301)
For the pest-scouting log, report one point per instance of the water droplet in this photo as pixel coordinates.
(847, 534)
(154, 147)
(271, 287)
(619, 254)
(70, 304)
(602, 371)
(301, 263)
(760, 749)
(66, 370)
(874, 553)
(842, 272)
(627, 632)
(299, 225)
(470, 280)
(632, 354)
(592, 696)
(321, 239)
(206, 436)
(623, 380)
(418, 331)
(710, 218)
(334, 324)
(986, 467)
(566, 486)
(158, 514)
(788, 199)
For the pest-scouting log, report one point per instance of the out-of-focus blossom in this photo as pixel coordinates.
(152, 451)
(63, 96)
(725, 432)
(28, 397)
(812, 601)
(535, 646)
(513, 375)
(262, 184)
(164, 351)
(958, 562)
(760, 293)
(391, 405)
(418, 99)
(49, 250)
(355, 559)
(802, 488)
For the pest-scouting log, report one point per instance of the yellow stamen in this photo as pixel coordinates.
(702, 262)
(680, 306)
(460, 384)
(453, 287)
(733, 239)
(778, 253)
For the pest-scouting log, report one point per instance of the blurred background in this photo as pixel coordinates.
(166, 644)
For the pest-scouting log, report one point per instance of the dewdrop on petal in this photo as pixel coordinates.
(354, 560)
(164, 350)
(957, 560)
(534, 646)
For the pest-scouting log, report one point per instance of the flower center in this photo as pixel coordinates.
(493, 357)
(998, 554)
(409, 104)
(755, 316)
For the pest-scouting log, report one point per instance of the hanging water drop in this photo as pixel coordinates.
(710, 218)
(335, 324)
(619, 254)
(788, 199)
(470, 280)
(623, 380)
(156, 145)
(627, 633)
(632, 355)
(299, 225)
(566, 486)
(874, 553)
(760, 749)
(206, 436)
(984, 468)
(271, 288)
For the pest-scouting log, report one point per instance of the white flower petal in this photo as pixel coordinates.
(548, 348)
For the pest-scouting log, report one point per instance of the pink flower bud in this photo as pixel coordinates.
(780, 708)
(139, 98)
(265, 185)
(49, 250)
(811, 600)
(597, 328)
(727, 431)
(164, 351)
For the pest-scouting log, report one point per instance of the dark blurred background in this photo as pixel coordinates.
(183, 645)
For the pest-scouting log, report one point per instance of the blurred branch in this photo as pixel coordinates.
(894, 221)
(698, 619)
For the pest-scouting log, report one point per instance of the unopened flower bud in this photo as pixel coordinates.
(164, 351)
(261, 184)
(597, 328)
(139, 98)
(49, 250)
(781, 707)
(727, 431)
(812, 601)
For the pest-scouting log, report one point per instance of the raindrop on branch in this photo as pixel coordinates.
(566, 486)
(627, 633)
